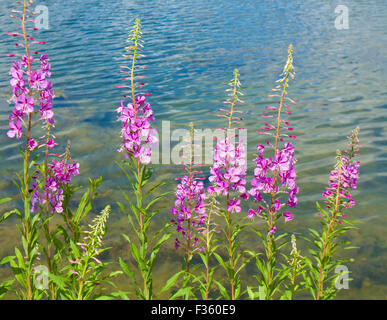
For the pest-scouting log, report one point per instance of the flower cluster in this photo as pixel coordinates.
(24, 99)
(344, 177)
(189, 207)
(136, 131)
(273, 175)
(59, 174)
(229, 171)
(45, 89)
(347, 179)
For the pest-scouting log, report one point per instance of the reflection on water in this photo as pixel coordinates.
(192, 48)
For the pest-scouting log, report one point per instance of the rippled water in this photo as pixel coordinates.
(192, 48)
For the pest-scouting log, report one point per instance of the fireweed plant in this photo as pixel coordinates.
(137, 137)
(191, 214)
(321, 275)
(189, 211)
(274, 187)
(44, 186)
(208, 221)
(227, 176)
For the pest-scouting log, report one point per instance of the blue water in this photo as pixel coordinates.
(192, 48)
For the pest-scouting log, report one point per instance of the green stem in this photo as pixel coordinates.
(270, 253)
(82, 279)
(26, 162)
(326, 244)
(208, 248)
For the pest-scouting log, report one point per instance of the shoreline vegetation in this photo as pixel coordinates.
(207, 219)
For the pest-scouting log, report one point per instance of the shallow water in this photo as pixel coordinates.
(192, 48)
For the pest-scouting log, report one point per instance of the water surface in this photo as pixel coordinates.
(192, 48)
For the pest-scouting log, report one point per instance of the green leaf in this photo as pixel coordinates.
(7, 214)
(223, 290)
(81, 207)
(127, 175)
(85, 204)
(136, 255)
(4, 287)
(171, 281)
(156, 248)
(183, 292)
(19, 258)
(155, 187)
(220, 260)
(5, 200)
(60, 281)
(127, 270)
(156, 199)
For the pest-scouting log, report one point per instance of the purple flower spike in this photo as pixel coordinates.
(228, 171)
(274, 183)
(344, 177)
(59, 174)
(189, 205)
(136, 131)
(281, 165)
(22, 98)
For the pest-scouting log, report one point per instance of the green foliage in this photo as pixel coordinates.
(205, 279)
(321, 277)
(237, 258)
(72, 219)
(144, 247)
(294, 269)
(81, 279)
(5, 285)
(270, 277)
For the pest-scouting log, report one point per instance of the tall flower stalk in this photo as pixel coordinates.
(51, 182)
(84, 272)
(273, 185)
(338, 197)
(45, 187)
(228, 180)
(29, 87)
(189, 212)
(92, 248)
(293, 270)
(137, 136)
